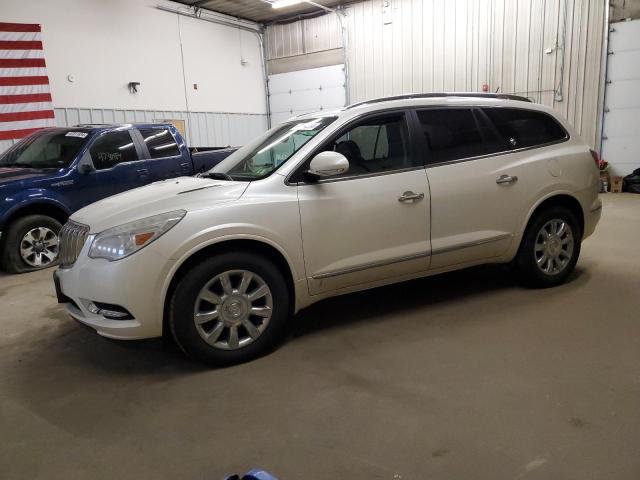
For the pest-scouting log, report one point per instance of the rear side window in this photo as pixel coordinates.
(525, 128)
(113, 148)
(451, 134)
(160, 142)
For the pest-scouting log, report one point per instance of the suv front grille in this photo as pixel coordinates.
(72, 238)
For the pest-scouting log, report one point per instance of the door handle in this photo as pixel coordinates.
(506, 179)
(409, 196)
(143, 172)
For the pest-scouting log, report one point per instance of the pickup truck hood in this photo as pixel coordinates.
(17, 174)
(184, 193)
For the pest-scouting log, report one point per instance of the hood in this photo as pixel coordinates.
(184, 193)
(17, 174)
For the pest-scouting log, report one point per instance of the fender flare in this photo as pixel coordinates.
(27, 203)
(189, 253)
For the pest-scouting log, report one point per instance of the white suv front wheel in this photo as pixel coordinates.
(229, 309)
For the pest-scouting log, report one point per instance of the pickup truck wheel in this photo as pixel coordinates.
(550, 248)
(229, 309)
(31, 243)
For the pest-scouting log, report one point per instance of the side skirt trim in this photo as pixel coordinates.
(406, 258)
(366, 266)
(475, 243)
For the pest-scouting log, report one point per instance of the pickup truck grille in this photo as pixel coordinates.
(72, 238)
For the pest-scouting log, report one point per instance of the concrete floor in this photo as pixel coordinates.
(463, 376)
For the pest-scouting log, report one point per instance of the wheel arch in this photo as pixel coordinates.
(252, 245)
(557, 199)
(50, 209)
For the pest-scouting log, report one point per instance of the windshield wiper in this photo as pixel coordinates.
(216, 176)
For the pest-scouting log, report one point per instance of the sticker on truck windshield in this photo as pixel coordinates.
(76, 134)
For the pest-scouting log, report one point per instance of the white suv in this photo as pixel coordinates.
(330, 203)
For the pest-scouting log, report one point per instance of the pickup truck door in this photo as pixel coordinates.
(371, 223)
(165, 158)
(118, 164)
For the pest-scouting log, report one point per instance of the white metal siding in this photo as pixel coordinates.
(305, 36)
(459, 45)
(203, 129)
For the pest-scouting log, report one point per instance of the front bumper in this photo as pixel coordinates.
(135, 283)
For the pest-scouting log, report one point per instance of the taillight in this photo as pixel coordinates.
(596, 158)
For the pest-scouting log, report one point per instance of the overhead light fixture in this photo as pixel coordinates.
(284, 3)
(289, 3)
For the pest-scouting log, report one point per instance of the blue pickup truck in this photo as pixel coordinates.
(47, 176)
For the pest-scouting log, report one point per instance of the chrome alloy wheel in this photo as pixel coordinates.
(39, 247)
(233, 309)
(554, 246)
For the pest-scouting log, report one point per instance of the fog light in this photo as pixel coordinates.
(93, 309)
(112, 312)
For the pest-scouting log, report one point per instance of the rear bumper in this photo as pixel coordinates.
(592, 217)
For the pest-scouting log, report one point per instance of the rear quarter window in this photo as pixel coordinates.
(160, 142)
(525, 128)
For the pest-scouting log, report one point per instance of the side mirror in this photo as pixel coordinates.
(85, 168)
(327, 164)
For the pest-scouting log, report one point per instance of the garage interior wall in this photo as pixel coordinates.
(549, 50)
(621, 139)
(305, 61)
(105, 45)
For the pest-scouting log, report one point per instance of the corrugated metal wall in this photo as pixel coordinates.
(459, 45)
(204, 129)
(305, 36)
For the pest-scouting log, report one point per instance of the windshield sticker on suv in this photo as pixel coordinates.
(76, 134)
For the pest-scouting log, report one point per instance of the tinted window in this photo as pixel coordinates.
(451, 134)
(160, 142)
(113, 148)
(374, 146)
(525, 128)
(492, 141)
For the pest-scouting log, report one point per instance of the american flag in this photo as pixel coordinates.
(25, 98)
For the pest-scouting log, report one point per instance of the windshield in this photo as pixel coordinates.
(47, 149)
(261, 157)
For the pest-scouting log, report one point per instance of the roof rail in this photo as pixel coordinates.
(502, 96)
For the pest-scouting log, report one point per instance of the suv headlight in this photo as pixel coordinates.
(123, 240)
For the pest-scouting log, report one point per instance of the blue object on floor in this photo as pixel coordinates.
(255, 474)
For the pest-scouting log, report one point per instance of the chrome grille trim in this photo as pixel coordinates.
(72, 238)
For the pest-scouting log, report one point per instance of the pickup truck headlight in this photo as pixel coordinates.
(123, 240)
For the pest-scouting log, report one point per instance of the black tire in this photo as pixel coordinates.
(183, 303)
(526, 259)
(12, 260)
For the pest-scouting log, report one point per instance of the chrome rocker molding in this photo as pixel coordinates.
(475, 243)
(406, 258)
(366, 266)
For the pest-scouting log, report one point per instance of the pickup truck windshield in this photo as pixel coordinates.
(47, 149)
(261, 157)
